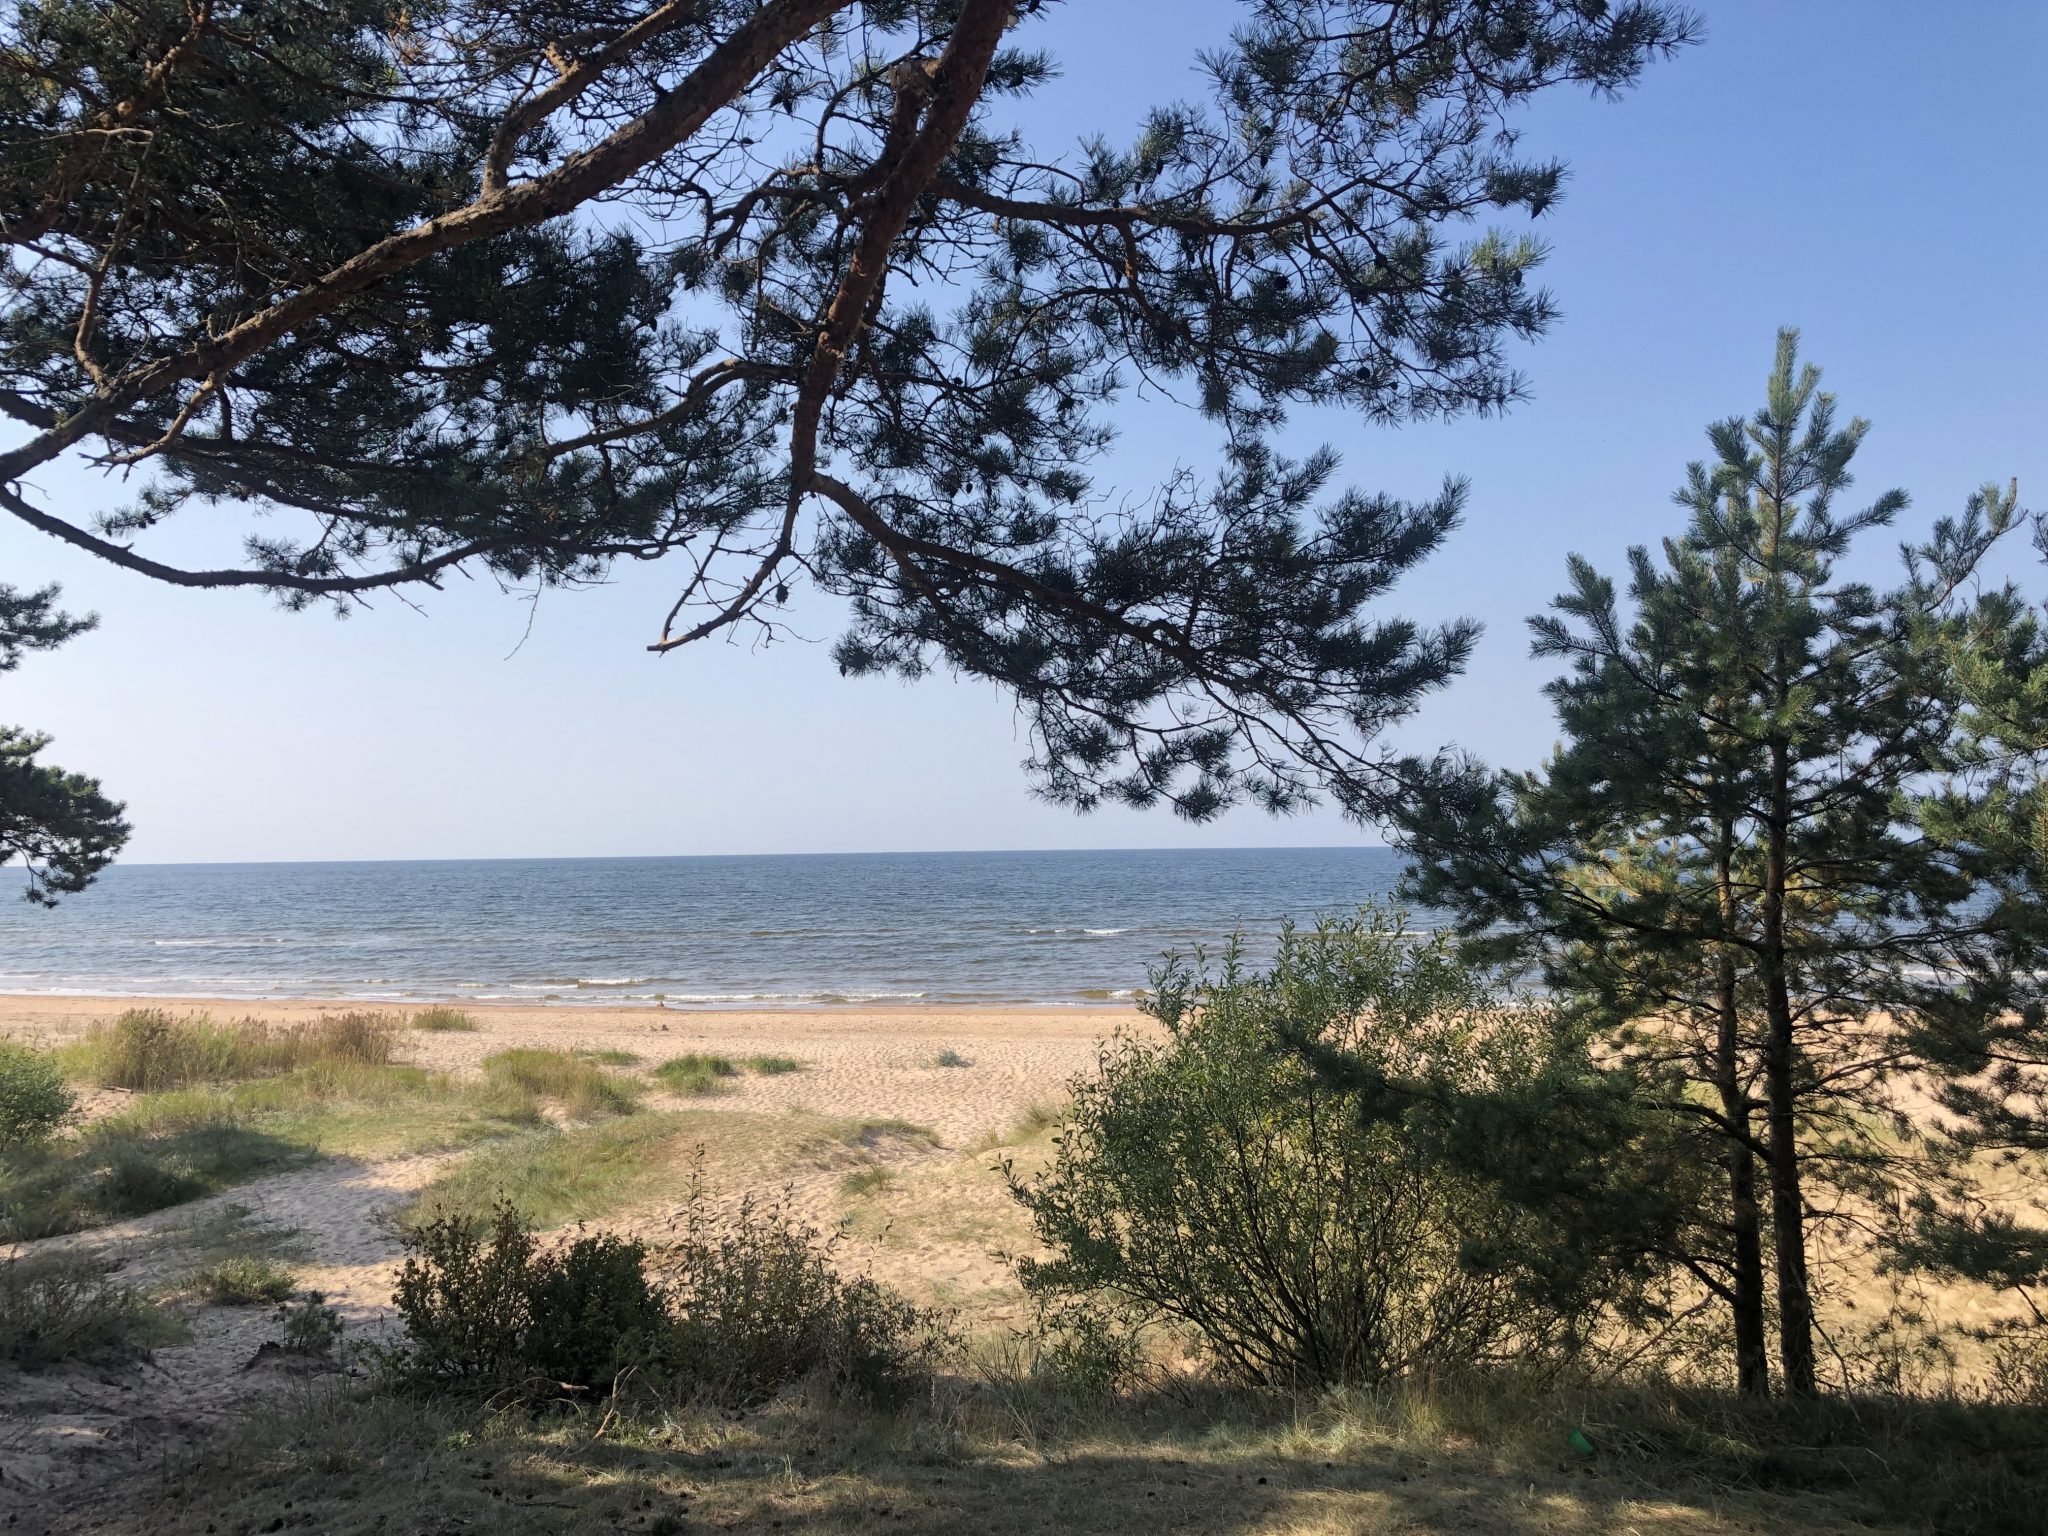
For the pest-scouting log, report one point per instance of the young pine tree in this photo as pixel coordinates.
(1727, 865)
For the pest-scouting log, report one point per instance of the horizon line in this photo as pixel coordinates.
(864, 853)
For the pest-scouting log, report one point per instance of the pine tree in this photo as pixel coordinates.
(1732, 862)
(58, 824)
(770, 286)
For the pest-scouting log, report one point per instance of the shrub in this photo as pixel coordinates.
(242, 1280)
(487, 1307)
(583, 1089)
(34, 1103)
(731, 1310)
(441, 1017)
(695, 1074)
(1299, 1172)
(56, 1307)
(309, 1326)
(758, 1305)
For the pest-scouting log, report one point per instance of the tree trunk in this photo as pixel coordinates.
(1788, 1209)
(1745, 1221)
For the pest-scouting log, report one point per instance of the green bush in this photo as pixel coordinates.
(34, 1103)
(1303, 1172)
(731, 1310)
(758, 1305)
(56, 1307)
(584, 1090)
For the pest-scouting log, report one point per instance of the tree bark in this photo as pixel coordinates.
(1788, 1210)
(1745, 1220)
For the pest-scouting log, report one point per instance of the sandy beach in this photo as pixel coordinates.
(870, 1098)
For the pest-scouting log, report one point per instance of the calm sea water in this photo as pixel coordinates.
(1072, 927)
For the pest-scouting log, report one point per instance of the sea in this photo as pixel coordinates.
(1073, 928)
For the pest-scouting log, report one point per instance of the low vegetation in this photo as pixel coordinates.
(581, 1087)
(147, 1050)
(773, 1066)
(726, 1309)
(551, 1176)
(950, 1058)
(244, 1280)
(442, 1019)
(695, 1074)
(34, 1103)
(57, 1307)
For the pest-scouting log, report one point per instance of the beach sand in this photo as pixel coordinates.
(869, 1090)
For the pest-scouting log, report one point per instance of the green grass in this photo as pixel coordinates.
(62, 1306)
(148, 1050)
(178, 1145)
(950, 1058)
(695, 1074)
(128, 1166)
(610, 1056)
(773, 1066)
(441, 1018)
(863, 1182)
(583, 1088)
(244, 1280)
(558, 1176)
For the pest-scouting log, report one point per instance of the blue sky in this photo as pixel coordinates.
(1858, 168)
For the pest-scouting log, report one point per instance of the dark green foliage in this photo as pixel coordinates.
(440, 314)
(730, 1310)
(58, 824)
(61, 1306)
(34, 1103)
(1356, 1166)
(759, 1305)
(1763, 865)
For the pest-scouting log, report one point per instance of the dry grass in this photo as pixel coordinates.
(148, 1050)
(1003, 1455)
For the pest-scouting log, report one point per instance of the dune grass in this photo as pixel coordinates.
(442, 1019)
(584, 1090)
(950, 1058)
(148, 1050)
(557, 1176)
(695, 1074)
(1006, 1451)
(607, 1056)
(773, 1066)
